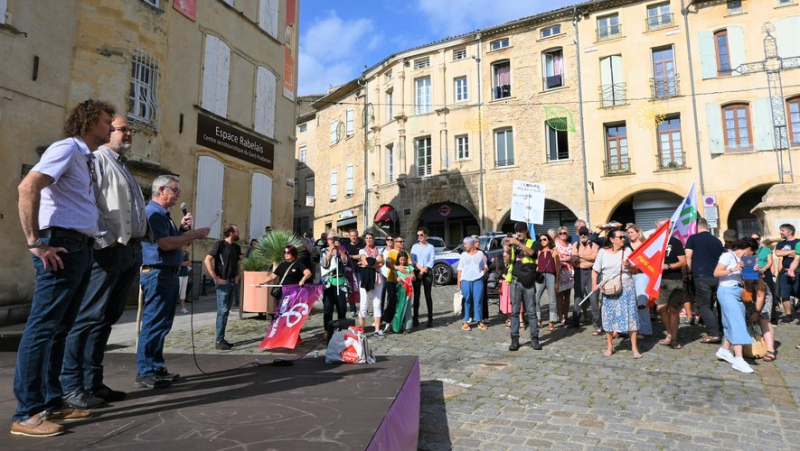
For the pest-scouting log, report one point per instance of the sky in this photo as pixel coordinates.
(340, 38)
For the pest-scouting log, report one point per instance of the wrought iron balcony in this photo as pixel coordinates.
(609, 32)
(613, 94)
(667, 163)
(615, 165)
(665, 88)
(504, 163)
(660, 21)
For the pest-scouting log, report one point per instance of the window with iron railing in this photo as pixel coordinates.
(501, 80)
(617, 158)
(608, 27)
(553, 69)
(670, 146)
(658, 16)
(143, 93)
(664, 83)
(459, 54)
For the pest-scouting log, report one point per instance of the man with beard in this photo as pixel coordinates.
(222, 263)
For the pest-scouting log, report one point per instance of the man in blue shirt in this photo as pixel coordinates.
(422, 255)
(159, 279)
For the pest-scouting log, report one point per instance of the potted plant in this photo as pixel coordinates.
(267, 255)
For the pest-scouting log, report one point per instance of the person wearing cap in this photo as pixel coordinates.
(729, 237)
(702, 255)
(522, 253)
(584, 252)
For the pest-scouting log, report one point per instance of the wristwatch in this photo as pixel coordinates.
(35, 244)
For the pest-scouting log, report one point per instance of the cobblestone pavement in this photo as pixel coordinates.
(478, 395)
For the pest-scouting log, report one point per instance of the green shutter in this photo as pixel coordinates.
(708, 54)
(736, 47)
(762, 124)
(786, 32)
(716, 143)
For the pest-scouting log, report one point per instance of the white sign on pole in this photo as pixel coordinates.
(527, 202)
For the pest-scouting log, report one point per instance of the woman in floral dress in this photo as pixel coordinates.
(566, 279)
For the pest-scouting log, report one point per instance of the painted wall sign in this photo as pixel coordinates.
(237, 143)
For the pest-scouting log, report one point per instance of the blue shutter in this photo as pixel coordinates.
(716, 143)
(708, 54)
(736, 47)
(762, 124)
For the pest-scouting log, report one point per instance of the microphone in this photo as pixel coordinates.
(183, 209)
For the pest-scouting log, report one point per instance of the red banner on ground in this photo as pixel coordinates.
(293, 309)
(649, 258)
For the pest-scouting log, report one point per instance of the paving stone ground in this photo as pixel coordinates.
(478, 395)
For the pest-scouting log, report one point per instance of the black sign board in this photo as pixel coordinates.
(234, 142)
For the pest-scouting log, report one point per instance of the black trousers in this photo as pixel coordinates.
(333, 297)
(425, 281)
(390, 291)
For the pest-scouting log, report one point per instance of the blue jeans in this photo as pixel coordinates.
(472, 290)
(112, 274)
(160, 289)
(520, 294)
(225, 297)
(56, 298)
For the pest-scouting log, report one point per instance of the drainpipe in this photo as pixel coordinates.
(365, 118)
(575, 19)
(685, 12)
(480, 137)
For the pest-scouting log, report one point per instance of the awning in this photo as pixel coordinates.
(385, 214)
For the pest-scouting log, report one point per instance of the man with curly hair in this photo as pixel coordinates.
(59, 214)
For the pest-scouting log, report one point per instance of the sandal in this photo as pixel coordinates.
(482, 326)
(675, 345)
(711, 340)
(608, 352)
(598, 332)
(636, 355)
(465, 326)
(552, 327)
(508, 324)
(770, 356)
(665, 342)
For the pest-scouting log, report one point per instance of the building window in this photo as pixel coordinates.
(658, 16)
(334, 185)
(309, 189)
(553, 69)
(612, 89)
(387, 76)
(216, 72)
(422, 63)
(459, 54)
(302, 154)
(461, 89)
(501, 80)
(268, 17)
(735, 7)
(504, 147)
(723, 52)
(303, 128)
(153, 3)
(785, 2)
(349, 183)
(670, 148)
(736, 122)
(557, 143)
(389, 106)
(608, 27)
(423, 91)
(499, 44)
(389, 163)
(266, 86)
(424, 156)
(335, 130)
(144, 90)
(617, 159)
(210, 183)
(349, 115)
(551, 31)
(793, 107)
(462, 147)
(664, 83)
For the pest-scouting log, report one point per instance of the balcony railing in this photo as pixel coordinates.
(553, 81)
(660, 21)
(613, 94)
(665, 88)
(504, 163)
(501, 92)
(617, 165)
(609, 32)
(667, 163)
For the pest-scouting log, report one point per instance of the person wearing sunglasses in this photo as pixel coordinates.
(566, 279)
(422, 255)
(549, 266)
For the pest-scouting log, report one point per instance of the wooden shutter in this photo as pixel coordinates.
(716, 142)
(216, 73)
(762, 124)
(210, 178)
(3, 8)
(708, 54)
(210, 69)
(736, 47)
(268, 16)
(260, 204)
(266, 83)
(786, 31)
(349, 186)
(334, 185)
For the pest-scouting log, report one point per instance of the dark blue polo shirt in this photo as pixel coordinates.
(706, 249)
(162, 226)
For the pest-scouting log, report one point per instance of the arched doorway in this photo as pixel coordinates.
(646, 207)
(556, 214)
(450, 221)
(387, 220)
(740, 218)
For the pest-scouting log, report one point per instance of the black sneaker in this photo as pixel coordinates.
(164, 374)
(535, 344)
(81, 399)
(514, 344)
(223, 345)
(151, 382)
(109, 395)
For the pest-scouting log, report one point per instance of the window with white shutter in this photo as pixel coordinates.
(334, 184)
(216, 73)
(260, 204)
(349, 186)
(265, 102)
(268, 16)
(349, 120)
(210, 178)
(334, 132)
(3, 8)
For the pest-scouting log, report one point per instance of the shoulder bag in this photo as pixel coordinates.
(613, 287)
(277, 292)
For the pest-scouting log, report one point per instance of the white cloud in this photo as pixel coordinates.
(462, 16)
(330, 52)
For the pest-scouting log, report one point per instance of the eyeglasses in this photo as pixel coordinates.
(399, 241)
(126, 130)
(174, 190)
(563, 233)
(286, 252)
(420, 234)
(583, 234)
(619, 237)
(544, 240)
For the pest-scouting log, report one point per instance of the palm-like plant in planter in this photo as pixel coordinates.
(267, 255)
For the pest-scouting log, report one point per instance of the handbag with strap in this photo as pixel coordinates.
(277, 292)
(758, 349)
(613, 287)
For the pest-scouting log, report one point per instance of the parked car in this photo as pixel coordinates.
(445, 264)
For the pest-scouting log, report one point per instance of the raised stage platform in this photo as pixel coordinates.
(308, 406)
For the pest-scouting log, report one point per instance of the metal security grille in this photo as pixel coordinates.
(143, 92)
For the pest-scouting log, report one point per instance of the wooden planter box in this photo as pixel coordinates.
(256, 299)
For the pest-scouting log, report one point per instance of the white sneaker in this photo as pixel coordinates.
(380, 334)
(183, 310)
(725, 354)
(740, 365)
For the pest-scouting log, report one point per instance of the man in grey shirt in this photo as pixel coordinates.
(117, 258)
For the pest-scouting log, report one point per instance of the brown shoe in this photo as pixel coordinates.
(482, 326)
(36, 426)
(69, 414)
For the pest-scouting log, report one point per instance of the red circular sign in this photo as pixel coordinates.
(444, 210)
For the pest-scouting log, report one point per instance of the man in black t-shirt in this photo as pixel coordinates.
(787, 286)
(222, 263)
(702, 255)
(670, 297)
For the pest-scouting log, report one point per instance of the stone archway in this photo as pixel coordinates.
(644, 208)
(739, 217)
(449, 220)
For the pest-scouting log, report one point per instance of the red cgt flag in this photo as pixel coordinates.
(295, 305)
(649, 258)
